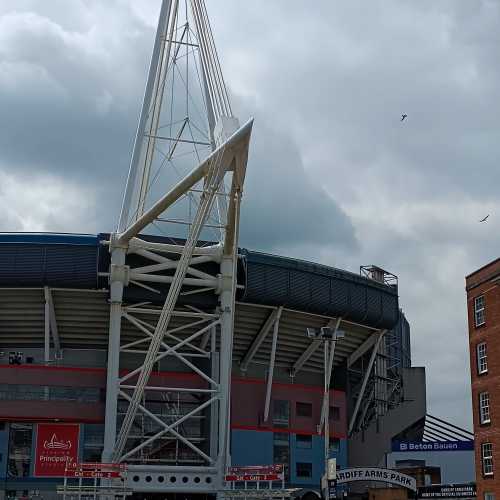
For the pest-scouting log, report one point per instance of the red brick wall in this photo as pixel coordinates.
(482, 283)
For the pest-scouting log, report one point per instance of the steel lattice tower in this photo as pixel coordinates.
(186, 180)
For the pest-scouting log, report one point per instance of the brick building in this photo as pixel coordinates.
(483, 307)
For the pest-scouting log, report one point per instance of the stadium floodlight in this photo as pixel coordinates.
(329, 333)
(325, 333)
(312, 333)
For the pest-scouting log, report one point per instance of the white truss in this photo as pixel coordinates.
(143, 420)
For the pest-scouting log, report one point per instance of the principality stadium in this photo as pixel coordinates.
(171, 358)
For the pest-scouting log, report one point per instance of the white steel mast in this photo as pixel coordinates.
(186, 181)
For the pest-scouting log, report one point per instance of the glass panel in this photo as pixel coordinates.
(482, 363)
(334, 413)
(20, 441)
(303, 441)
(479, 307)
(24, 392)
(281, 413)
(93, 442)
(487, 456)
(334, 444)
(304, 470)
(281, 451)
(484, 407)
(303, 409)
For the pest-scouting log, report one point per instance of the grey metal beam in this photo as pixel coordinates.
(311, 349)
(365, 409)
(270, 375)
(361, 350)
(53, 323)
(161, 32)
(50, 325)
(258, 339)
(365, 380)
(46, 350)
(304, 357)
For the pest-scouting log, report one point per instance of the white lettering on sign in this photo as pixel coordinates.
(375, 474)
(428, 446)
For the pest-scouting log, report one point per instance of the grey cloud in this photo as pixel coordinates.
(333, 175)
(283, 207)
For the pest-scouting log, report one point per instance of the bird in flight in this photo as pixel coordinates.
(484, 220)
(403, 116)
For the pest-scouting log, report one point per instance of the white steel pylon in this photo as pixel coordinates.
(186, 121)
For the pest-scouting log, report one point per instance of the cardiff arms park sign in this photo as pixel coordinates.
(374, 474)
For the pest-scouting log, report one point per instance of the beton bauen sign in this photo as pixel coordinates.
(432, 446)
(374, 474)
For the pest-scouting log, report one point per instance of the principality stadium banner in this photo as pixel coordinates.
(56, 446)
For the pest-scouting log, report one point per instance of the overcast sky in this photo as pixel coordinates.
(333, 176)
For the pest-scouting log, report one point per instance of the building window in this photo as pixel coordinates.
(484, 407)
(479, 310)
(304, 470)
(334, 413)
(482, 358)
(20, 441)
(23, 392)
(487, 458)
(93, 442)
(489, 496)
(303, 441)
(303, 409)
(281, 413)
(281, 450)
(334, 445)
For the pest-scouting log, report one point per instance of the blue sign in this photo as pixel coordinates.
(406, 446)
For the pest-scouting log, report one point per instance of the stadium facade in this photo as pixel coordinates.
(175, 357)
(54, 335)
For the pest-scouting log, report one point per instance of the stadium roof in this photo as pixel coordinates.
(73, 265)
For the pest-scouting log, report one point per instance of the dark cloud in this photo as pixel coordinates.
(283, 207)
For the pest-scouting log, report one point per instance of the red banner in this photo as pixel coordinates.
(256, 469)
(56, 446)
(255, 473)
(98, 470)
(254, 477)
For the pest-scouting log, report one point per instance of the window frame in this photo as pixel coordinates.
(481, 311)
(484, 408)
(334, 445)
(482, 359)
(489, 495)
(303, 404)
(281, 413)
(303, 441)
(334, 412)
(487, 457)
(309, 476)
(19, 454)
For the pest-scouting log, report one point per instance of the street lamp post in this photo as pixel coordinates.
(330, 336)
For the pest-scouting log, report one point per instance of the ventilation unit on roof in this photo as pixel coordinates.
(378, 274)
